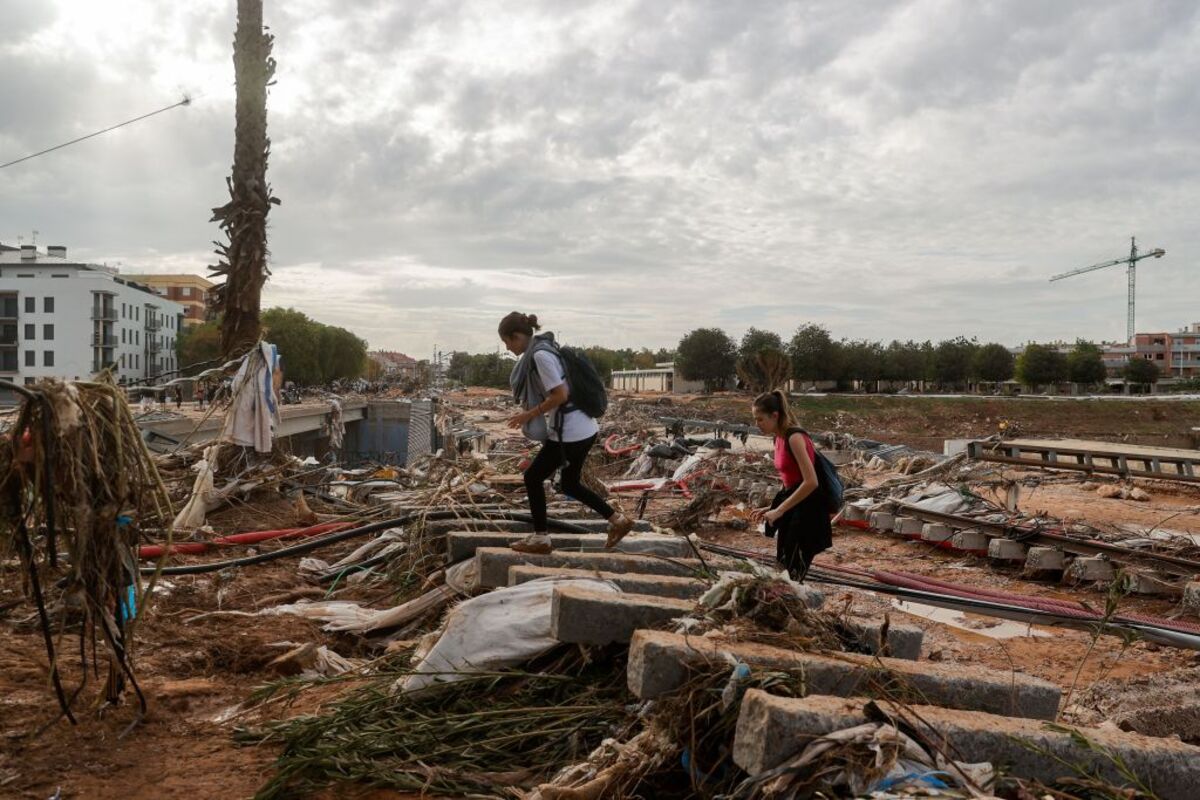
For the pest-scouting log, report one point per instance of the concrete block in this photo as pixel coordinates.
(1146, 583)
(1007, 550)
(444, 526)
(903, 641)
(658, 585)
(494, 562)
(907, 526)
(770, 730)
(882, 520)
(463, 544)
(970, 541)
(854, 513)
(936, 532)
(1088, 569)
(659, 662)
(1044, 560)
(597, 525)
(1191, 598)
(582, 616)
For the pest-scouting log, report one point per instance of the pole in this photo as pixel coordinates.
(1130, 329)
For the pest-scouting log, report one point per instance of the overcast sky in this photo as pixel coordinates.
(630, 170)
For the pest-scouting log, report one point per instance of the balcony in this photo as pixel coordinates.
(153, 345)
(153, 324)
(105, 314)
(104, 340)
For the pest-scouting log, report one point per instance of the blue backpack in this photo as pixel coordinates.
(828, 481)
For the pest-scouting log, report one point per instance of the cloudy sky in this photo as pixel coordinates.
(632, 169)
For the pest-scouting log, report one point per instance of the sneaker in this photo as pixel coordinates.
(535, 543)
(618, 526)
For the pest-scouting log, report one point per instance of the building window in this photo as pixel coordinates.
(8, 306)
(29, 381)
(48, 331)
(48, 305)
(31, 358)
(137, 361)
(185, 291)
(30, 305)
(137, 337)
(47, 358)
(30, 331)
(8, 361)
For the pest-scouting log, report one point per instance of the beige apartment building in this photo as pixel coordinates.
(190, 291)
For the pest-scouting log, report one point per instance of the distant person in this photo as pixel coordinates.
(798, 517)
(178, 397)
(199, 396)
(539, 385)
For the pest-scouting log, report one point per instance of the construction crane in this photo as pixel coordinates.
(1131, 260)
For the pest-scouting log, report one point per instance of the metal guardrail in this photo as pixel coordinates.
(1129, 464)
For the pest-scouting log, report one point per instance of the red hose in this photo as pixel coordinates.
(616, 452)
(249, 537)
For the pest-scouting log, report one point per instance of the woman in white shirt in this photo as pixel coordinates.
(539, 385)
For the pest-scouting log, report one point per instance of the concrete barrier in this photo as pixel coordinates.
(1006, 551)
(903, 641)
(659, 663)
(463, 544)
(494, 563)
(633, 583)
(770, 730)
(1044, 561)
(581, 616)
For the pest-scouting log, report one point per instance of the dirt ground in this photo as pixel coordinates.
(196, 672)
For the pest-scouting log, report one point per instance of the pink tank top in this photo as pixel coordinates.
(785, 462)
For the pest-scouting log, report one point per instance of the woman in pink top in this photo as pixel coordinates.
(798, 517)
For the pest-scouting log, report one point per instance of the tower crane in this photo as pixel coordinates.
(1131, 260)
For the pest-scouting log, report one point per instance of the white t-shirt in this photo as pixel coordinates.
(577, 425)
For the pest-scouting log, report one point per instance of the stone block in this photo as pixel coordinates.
(1087, 569)
(597, 525)
(463, 544)
(970, 541)
(1191, 598)
(1044, 560)
(907, 526)
(1006, 550)
(582, 616)
(936, 532)
(770, 730)
(903, 641)
(659, 663)
(658, 585)
(854, 513)
(882, 520)
(1146, 583)
(444, 526)
(494, 563)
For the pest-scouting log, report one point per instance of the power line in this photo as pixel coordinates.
(185, 101)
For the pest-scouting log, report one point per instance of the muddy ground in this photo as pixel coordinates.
(195, 672)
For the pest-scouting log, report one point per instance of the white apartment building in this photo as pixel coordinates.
(66, 319)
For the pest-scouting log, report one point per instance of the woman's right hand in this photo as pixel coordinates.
(757, 514)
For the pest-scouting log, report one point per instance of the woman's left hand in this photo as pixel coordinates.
(519, 420)
(772, 516)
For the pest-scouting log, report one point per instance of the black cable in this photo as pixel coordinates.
(185, 101)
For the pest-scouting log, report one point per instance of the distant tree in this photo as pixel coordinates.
(1085, 364)
(644, 359)
(904, 361)
(313, 353)
(1141, 372)
(952, 361)
(198, 344)
(662, 355)
(459, 366)
(708, 355)
(813, 354)
(374, 370)
(604, 360)
(992, 363)
(1040, 365)
(758, 363)
(862, 361)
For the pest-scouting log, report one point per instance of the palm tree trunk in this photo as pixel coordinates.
(243, 261)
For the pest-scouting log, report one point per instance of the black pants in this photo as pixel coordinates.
(548, 459)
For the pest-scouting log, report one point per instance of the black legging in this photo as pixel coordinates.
(544, 463)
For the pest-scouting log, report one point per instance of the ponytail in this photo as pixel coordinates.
(516, 322)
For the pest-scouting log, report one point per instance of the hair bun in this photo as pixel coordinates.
(533, 322)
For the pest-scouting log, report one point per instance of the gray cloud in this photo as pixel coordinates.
(634, 169)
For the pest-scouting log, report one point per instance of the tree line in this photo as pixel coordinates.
(763, 361)
(492, 369)
(312, 352)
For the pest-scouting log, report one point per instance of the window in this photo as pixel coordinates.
(31, 358)
(122, 361)
(1158, 356)
(47, 358)
(30, 305)
(8, 306)
(137, 361)
(29, 381)
(48, 305)
(8, 361)
(137, 337)
(30, 331)
(48, 331)
(185, 291)
(124, 336)
(122, 311)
